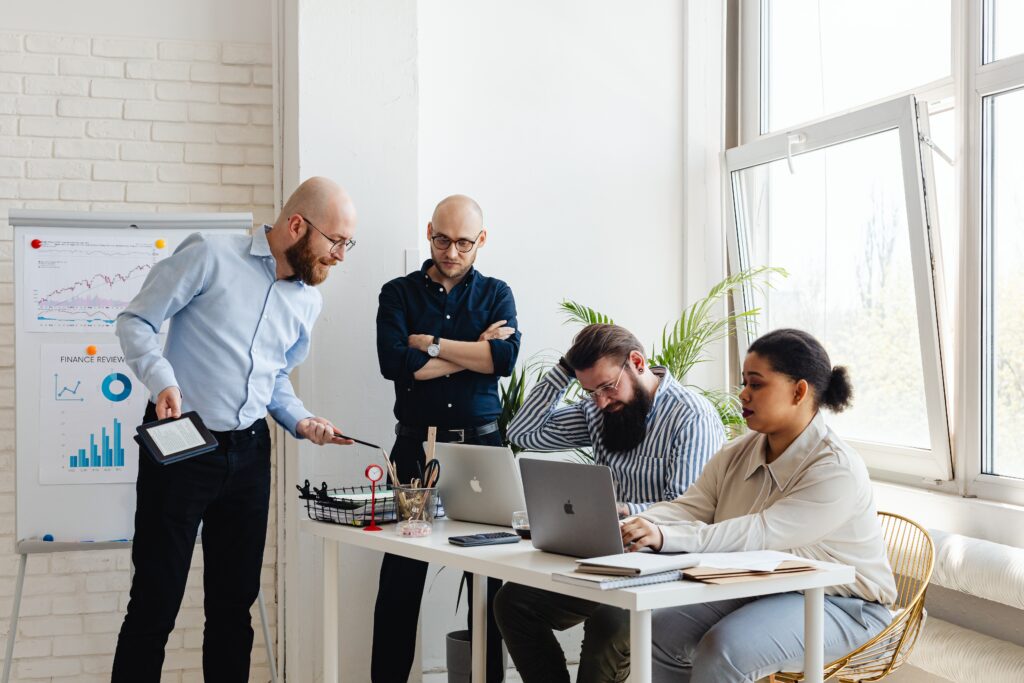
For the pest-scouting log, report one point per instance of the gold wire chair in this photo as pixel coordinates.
(912, 558)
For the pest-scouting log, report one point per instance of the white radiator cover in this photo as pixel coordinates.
(981, 568)
(962, 655)
(985, 570)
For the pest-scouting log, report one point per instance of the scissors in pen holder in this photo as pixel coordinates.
(428, 476)
(431, 473)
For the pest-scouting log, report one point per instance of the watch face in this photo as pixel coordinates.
(433, 350)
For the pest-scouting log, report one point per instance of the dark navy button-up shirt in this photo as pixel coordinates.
(416, 304)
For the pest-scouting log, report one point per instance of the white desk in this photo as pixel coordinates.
(520, 563)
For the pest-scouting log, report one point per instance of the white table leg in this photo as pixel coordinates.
(330, 604)
(814, 635)
(479, 635)
(640, 646)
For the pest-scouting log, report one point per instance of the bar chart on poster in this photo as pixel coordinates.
(94, 396)
(77, 401)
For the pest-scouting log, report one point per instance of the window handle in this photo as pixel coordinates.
(791, 140)
(935, 148)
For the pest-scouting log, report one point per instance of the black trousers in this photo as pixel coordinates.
(401, 589)
(229, 491)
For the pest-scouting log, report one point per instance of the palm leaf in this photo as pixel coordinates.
(687, 342)
(730, 412)
(578, 313)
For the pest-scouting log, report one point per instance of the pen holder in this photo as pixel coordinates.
(416, 508)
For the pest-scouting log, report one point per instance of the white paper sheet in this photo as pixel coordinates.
(750, 560)
(175, 437)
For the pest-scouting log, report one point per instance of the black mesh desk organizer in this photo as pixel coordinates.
(326, 504)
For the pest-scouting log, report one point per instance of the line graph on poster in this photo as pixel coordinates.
(83, 282)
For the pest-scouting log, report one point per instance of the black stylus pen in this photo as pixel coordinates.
(365, 443)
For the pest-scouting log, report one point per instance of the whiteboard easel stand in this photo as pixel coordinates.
(30, 547)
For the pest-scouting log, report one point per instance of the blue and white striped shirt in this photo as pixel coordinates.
(683, 432)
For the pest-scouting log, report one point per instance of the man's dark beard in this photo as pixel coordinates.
(302, 261)
(626, 428)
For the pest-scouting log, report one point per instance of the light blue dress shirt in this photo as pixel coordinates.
(235, 332)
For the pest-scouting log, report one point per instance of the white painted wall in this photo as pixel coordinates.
(562, 119)
(196, 20)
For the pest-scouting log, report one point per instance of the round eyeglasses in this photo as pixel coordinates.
(336, 245)
(463, 246)
(609, 388)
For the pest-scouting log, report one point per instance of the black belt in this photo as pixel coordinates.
(447, 435)
(238, 435)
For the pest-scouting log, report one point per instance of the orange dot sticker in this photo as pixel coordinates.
(91, 350)
(160, 244)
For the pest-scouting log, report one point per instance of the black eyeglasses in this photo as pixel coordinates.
(443, 242)
(335, 244)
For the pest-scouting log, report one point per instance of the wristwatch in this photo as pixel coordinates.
(434, 349)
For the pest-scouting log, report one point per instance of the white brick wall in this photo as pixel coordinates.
(107, 124)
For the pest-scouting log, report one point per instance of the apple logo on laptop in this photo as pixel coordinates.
(474, 484)
(568, 508)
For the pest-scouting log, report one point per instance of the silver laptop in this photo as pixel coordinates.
(479, 483)
(571, 507)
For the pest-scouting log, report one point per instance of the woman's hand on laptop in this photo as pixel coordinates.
(638, 533)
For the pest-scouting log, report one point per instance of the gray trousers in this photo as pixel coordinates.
(527, 618)
(736, 641)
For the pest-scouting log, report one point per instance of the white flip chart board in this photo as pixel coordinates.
(76, 402)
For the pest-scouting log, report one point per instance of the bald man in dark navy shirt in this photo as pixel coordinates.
(445, 334)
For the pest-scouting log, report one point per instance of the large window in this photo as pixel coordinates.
(923, 306)
(840, 205)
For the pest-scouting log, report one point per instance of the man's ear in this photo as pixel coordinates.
(482, 240)
(296, 225)
(430, 229)
(800, 391)
(637, 360)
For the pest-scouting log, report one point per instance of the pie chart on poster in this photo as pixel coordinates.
(116, 387)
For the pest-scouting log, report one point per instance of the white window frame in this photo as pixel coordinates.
(899, 115)
(979, 81)
(970, 81)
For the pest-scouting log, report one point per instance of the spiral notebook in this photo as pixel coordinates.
(609, 581)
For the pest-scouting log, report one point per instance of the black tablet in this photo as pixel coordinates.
(173, 439)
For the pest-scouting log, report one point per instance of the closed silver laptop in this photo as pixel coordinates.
(479, 483)
(571, 507)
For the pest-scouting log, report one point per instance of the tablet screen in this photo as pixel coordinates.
(177, 436)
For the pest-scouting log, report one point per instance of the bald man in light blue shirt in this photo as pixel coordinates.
(241, 311)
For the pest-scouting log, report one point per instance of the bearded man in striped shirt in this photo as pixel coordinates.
(653, 433)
